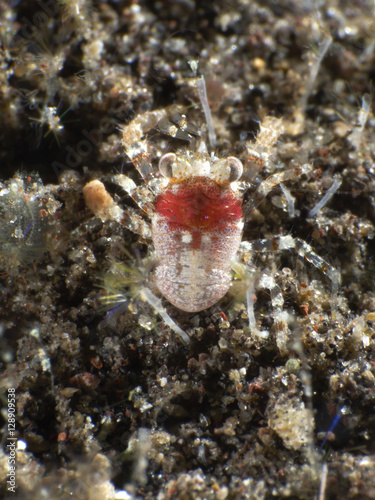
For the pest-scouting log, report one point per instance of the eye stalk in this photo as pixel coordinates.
(224, 171)
(236, 168)
(227, 170)
(166, 165)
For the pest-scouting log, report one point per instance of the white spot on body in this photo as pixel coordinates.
(186, 237)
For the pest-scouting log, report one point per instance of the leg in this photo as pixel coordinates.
(277, 301)
(279, 243)
(254, 281)
(259, 153)
(280, 316)
(127, 288)
(136, 147)
(303, 249)
(170, 121)
(268, 184)
(140, 194)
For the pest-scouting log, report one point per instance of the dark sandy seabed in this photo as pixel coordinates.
(115, 405)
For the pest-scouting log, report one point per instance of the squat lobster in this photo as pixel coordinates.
(197, 217)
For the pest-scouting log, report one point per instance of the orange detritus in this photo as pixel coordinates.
(98, 200)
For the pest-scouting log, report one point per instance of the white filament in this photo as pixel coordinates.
(201, 87)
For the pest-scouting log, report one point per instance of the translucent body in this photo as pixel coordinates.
(196, 230)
